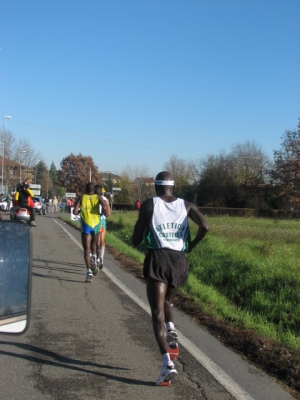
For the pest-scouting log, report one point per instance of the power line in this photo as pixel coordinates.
(102, 139)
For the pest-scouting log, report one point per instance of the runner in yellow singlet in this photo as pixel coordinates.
(89, 204)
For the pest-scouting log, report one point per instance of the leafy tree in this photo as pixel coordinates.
(76, 172)
(286, 172)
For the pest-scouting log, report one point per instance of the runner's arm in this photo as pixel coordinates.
(77, 206)
(142, 222)
(108, 212)
(104, 206)
(199, 219)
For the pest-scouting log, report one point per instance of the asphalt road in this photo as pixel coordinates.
(95, 341)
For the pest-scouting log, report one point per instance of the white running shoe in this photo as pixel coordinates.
(89, 276)
(172, 335)
(166, 374)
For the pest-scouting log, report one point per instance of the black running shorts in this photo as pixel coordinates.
(165, 265)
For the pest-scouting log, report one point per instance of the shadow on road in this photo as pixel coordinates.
(69, 363)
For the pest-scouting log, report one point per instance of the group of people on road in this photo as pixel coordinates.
(94, 209)
(163, 225)
(55, 202)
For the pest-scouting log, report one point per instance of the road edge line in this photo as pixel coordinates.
(219, 375)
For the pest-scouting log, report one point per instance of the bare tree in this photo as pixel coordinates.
(182, 170)
(251, 163)
(186, 175)
(237, 179)
(126, 194)
(218, 182)
(19, 159)
(136, 183)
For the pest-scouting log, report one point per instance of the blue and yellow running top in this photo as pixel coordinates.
(89, 211)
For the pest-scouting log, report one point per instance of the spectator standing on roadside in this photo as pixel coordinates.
(54, 204)
(137, 205)
(163, 224)
(47, 203)
(69, 204)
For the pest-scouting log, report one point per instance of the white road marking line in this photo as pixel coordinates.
(220, 376)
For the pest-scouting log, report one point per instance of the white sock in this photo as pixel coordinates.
(166, 359)
(102, 249)
(170, 326)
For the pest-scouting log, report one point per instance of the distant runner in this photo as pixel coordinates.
(101, 238)
(89, 204)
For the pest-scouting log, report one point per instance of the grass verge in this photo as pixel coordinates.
(244, 285)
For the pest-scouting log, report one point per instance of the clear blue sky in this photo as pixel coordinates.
(132, 82)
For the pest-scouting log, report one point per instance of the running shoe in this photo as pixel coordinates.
(166, 374)
(89, 276)
(93, 263)
(96, 270)
(101, 263)
(172, 335)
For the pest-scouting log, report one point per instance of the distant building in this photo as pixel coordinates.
(106, 175)
(145, 181)
(15, 172)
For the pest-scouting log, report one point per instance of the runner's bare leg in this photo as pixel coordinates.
(156, 293)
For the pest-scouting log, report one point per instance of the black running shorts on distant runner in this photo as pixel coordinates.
(166, 265)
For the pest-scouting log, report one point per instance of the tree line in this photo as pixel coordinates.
(245, 177)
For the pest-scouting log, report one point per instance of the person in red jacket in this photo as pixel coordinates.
(23, 198)
(137, 205)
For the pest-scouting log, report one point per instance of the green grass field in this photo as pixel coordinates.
(246, 272)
